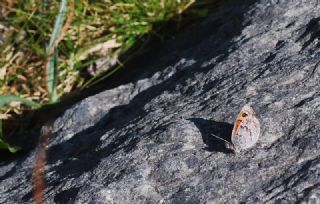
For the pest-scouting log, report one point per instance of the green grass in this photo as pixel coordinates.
(48, 44)
(99, 28)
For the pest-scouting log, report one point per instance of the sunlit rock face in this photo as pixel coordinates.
(150, 140)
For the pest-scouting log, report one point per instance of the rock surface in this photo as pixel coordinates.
(150, 141)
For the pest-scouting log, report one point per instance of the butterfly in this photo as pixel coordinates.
(245, 132)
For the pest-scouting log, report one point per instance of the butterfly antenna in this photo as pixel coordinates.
(221, 139)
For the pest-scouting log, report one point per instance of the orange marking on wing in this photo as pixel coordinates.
(236, 126)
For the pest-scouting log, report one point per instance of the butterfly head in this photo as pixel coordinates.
(246, 112)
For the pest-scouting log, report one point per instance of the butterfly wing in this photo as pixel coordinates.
(247, 134)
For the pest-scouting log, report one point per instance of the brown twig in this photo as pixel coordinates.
(40, 162)
(46, 131)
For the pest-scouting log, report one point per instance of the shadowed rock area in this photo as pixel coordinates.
(149, 141)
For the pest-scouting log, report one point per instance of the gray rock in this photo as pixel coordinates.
(149, 141)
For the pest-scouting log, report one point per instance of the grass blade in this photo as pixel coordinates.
(5, 99)
(52, 52)
(58, 24)
(52, 76)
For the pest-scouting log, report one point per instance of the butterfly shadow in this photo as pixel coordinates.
(209, 129)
